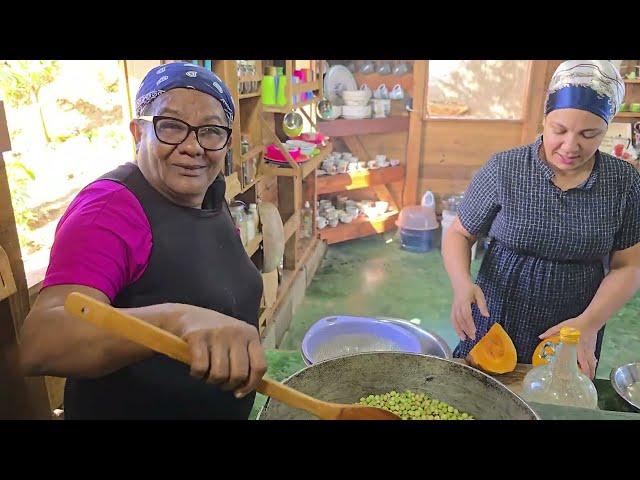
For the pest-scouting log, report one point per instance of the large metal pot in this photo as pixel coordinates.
(347, 379)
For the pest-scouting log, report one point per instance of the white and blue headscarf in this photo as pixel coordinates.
(592, 85)
(161, 79)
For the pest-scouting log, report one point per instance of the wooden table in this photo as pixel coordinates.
(512, 380)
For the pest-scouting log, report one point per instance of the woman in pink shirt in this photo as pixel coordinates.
(155, 238)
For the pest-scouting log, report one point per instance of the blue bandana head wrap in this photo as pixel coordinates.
(592, 85)
(161, 79)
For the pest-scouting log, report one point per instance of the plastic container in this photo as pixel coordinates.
(417, 241)
(253, 208)
(268, 90)
(561, 382)
(417, 225)
(307, 221)
(240, 219)
(281, 90)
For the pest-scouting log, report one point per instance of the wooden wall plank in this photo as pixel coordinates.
(29, 394)
(416, 132)
(5, 141)
(534, 100)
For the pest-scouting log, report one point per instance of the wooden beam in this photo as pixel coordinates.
(384, 194)
(5, 140)
(357, 148)
(415, 139)
(29, 393)
(533, 101)
(7, 284)
(9, 241)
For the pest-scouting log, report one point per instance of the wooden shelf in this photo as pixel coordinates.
(365, 126)
(248, 186)
(254, 244)
(250, 95)
(359, 227)
(233, 186)
(627, 115)
(353, 181)
(637, 80)
(299, 88)
(307, 167)
(304, 247)
(287, 108)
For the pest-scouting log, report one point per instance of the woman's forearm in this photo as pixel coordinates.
(616, 289)
(456, 253)
(54, 343)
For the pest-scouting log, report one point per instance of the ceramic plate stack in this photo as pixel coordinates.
(356, 98)
(356, 112)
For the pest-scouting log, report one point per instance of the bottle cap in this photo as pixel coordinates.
(569, 335)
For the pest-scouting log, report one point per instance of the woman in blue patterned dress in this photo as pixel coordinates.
(564, 224)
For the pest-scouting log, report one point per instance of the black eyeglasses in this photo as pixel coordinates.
(173, 131)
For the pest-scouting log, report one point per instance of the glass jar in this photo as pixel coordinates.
(560, 382)
(253, 209)
(245, 145)
(240, 220)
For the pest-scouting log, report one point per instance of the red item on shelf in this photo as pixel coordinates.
(317, 138)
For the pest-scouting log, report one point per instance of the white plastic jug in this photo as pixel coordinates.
(396, 93)
(381, 92)
(428, 200)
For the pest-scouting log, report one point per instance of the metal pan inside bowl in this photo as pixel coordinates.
(342, 335)
(625, 380)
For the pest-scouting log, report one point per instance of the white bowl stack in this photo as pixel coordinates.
(356, 104)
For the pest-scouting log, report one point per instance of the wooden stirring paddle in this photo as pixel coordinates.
(86, 308)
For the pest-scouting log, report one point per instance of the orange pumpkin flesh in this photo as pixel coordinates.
(536, 359)
(495, 352)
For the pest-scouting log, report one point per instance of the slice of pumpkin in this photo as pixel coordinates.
(495, 352)
(537, 359)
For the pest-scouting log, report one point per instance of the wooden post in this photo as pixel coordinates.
(414, 139)
(533, 102)
(227, 70)
(20, 397)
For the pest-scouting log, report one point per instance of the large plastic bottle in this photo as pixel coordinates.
(253, 209)
(307, 221)
(560, 382)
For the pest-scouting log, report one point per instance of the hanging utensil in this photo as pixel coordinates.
(292, 124)
(105, 316)
(325, 109)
